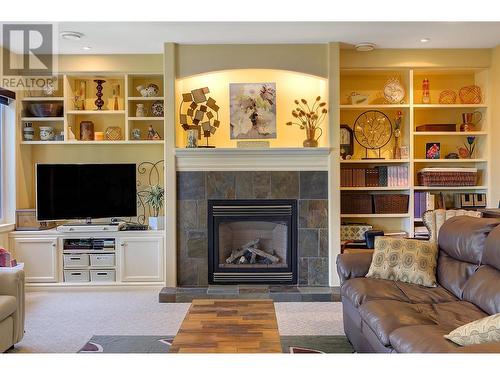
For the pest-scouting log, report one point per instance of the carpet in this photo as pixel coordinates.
(161, 344)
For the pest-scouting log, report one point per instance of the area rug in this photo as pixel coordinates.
(161, 344)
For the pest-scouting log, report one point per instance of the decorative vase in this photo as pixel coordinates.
(311, 140)
(113, 133)
(28, 131)
(46, 133)
(71, 135)
(140, 111)
(99, 102)
(156, 222)
(86, 131)
(157, 109)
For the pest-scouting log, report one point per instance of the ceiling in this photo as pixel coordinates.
(148, 37)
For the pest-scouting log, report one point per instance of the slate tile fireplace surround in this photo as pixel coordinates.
(308, 188)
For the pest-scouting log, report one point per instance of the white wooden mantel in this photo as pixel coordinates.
(252, 159)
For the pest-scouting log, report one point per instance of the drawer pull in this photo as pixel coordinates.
(75, 258)
(102, 273)
(76, 273)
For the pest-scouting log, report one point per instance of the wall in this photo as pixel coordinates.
(289, 87)
(495, 125)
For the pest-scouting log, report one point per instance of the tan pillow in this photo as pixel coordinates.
(401, 259)
(480, 331)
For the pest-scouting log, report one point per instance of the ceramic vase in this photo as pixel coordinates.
(140, 111)
(156, 222)
(28, 131)
(46, 133)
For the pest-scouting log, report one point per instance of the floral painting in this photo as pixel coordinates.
(253, 110)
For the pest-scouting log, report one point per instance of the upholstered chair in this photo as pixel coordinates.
(11, 307)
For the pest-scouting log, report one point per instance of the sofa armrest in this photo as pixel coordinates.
(350, 266)
(12, 284)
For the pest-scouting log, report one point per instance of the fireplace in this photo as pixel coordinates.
(252, 241)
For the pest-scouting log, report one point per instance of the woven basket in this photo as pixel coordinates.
(356, 204)
(391, 203)
(470, 94)
(447, 178)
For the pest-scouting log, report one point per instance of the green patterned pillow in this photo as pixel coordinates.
(480, 331)
(402, 259)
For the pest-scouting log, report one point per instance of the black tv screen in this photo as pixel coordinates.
(79, 191)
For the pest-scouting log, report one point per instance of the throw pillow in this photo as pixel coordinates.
(480, 331)
(402, 259)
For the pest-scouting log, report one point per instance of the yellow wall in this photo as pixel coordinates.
(289, 86)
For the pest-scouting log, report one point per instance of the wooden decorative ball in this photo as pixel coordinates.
(470, 95)
(447, 97)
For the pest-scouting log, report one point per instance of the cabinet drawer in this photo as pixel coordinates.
(76, 260)
(102, 275)
(76, 276)
(106, 260)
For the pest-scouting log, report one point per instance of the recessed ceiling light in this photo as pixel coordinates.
(71, 35)
(425, 40)
(365, 47)
(86, 48)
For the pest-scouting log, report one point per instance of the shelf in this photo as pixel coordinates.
(42, 119)
(374, 106)
(95, 112)
(138, 98)
(442, 106)
(146, 118)
(450, 187)
(380, 216)
(374, 188)
(123, 142)
(374, 161)
(453, 134)
(43, 99)
(450, 160)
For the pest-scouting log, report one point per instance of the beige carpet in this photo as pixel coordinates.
(63, 321)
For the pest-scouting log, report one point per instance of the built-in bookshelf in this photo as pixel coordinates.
(75, 92)
(414, 113)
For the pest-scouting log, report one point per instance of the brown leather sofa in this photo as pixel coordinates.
(385, 316)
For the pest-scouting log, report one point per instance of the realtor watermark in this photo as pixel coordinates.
(28, 58)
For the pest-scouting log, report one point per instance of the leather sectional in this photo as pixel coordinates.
(384, 316)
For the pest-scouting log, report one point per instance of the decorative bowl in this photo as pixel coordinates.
(46, 109)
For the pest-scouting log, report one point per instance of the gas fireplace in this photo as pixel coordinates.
(252, 241)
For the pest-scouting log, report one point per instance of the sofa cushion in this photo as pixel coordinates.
(491, 255)
(401, 259)
(422, 294)
(464, 237)
(383, 317)
(451, 315)
(483, 289)
(362, 289)
(429, 339)
(452, 274)
(8, 306)
(485, 330)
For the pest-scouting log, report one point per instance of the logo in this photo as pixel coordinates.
(32, 45)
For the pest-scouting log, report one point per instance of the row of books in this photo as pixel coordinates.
(382, 176)
(425, 201)
(421, 233)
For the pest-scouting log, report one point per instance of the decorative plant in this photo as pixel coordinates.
(309, 118)
(155, 196)
(470, 146)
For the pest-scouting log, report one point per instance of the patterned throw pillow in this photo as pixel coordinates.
(401, 259)
(480, 331)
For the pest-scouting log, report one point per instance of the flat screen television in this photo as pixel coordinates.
(81, 191)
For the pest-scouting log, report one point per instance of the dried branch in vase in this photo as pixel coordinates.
(309, 118)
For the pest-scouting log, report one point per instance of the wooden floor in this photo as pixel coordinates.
(228, 326)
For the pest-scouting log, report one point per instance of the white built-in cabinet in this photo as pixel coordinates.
(141, 259)
(39, 255)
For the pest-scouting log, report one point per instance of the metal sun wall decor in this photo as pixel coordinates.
(372, 130)
(148, 174)
(197, 112)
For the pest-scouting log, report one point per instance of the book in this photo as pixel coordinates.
(371, 177)
(430, 201)
(382, 175)
(358, 177)
(416, 204)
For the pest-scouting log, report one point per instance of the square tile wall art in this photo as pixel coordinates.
(253, 110)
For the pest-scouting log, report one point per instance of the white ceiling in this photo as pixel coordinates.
(148, 37)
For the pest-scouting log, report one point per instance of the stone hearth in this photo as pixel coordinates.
(310, 188)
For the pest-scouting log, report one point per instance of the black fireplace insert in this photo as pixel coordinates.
(252, 241)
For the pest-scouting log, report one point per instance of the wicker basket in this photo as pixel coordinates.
(391, 203)
(447, 177)
(356, 204)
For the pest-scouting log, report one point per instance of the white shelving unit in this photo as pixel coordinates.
(370, 82)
